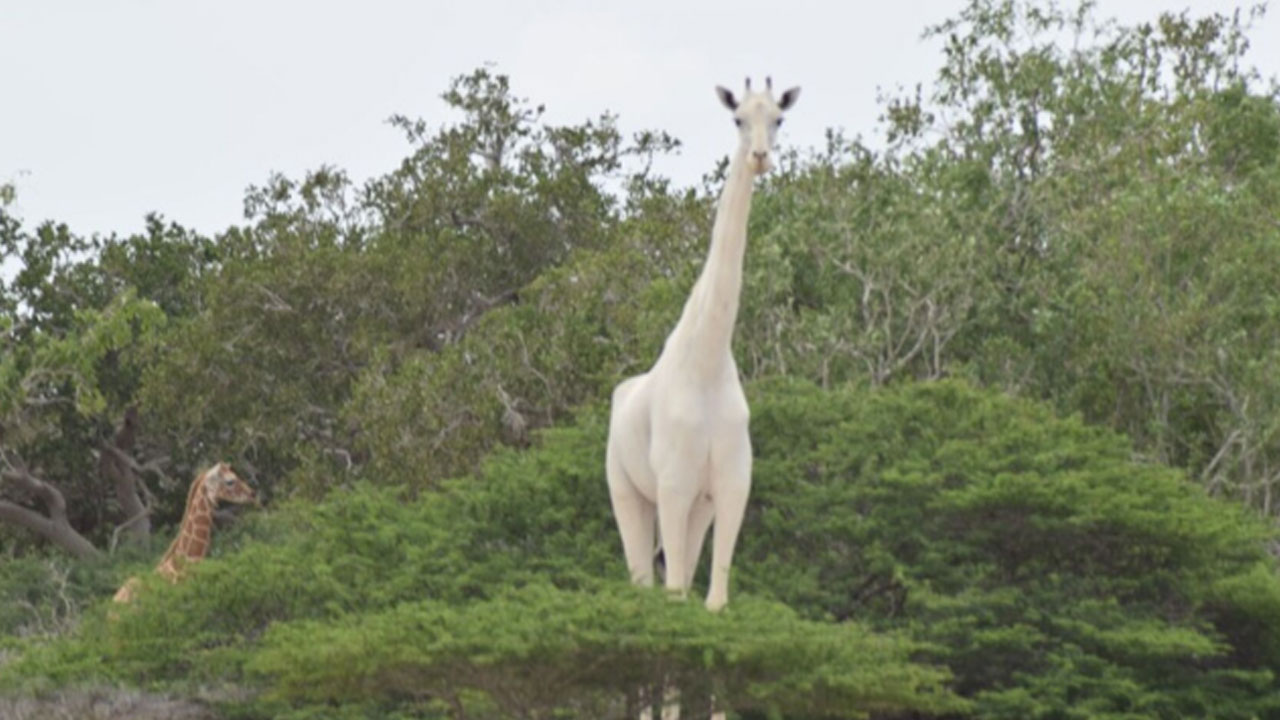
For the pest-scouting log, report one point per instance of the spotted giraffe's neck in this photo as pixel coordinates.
(192, 542)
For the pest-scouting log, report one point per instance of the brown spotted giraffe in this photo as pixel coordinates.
(192, 544)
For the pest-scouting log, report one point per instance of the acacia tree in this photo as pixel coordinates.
(1118, 184)
(329, 281)
(78, 321)
(49, 384)
(1076, 210)
(266, 325)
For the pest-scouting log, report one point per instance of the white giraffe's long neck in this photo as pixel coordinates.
(705, 329)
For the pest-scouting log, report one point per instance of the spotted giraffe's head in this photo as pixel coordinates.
(222, 484)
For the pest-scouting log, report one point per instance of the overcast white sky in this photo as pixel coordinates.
(110, 109)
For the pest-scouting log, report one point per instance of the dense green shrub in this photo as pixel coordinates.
(45, 594)
(1031, 556)
(536, 650)
(1056, 577)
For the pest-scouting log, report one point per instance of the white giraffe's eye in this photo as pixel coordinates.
(737, 121)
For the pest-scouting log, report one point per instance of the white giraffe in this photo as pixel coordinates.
(678, 443)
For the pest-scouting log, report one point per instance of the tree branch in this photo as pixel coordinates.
(153, 465)
(115, 534)
(53, 527)
(115, 463)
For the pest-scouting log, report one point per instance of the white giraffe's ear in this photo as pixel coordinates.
(789, 98)
(726, 98)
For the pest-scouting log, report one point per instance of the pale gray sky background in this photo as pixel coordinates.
(116, 108)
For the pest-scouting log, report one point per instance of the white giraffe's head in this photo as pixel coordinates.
(758, 116)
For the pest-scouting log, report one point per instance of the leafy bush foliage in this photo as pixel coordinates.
(45, 595)
(537, 651)
(1029, 556)
(1057, 577)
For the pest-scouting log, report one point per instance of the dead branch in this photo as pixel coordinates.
(1207, 476)
(115, 534)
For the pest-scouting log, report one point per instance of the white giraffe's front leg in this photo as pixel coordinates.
(730, 487)
(679, 456)
(676, 495)
(700, 518)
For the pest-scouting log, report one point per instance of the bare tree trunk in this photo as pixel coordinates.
(113, 465)
(53, 527)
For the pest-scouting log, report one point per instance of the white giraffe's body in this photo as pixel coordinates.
(678, 442)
